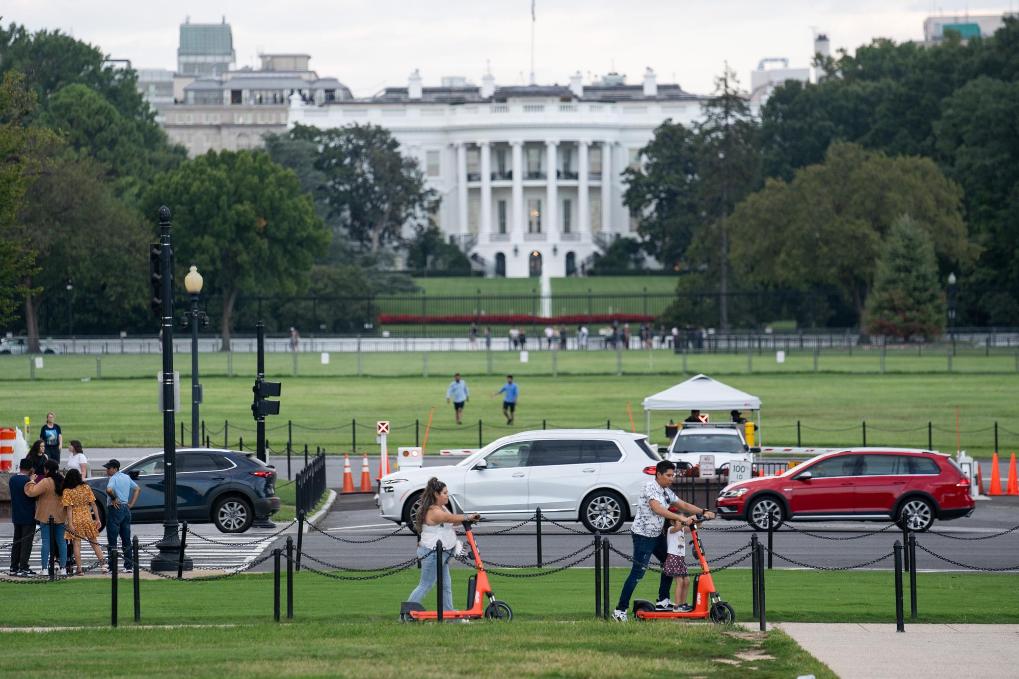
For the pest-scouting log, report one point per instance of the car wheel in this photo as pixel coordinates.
(763, 510)
(603, 512)
(411, 509)
(915, 514)
(232, 514)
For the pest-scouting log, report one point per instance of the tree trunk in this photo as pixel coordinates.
(228, 318)
(31, 321)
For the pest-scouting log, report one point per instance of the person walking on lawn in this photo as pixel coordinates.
(458, 393)
(649, 537)
(509, 400)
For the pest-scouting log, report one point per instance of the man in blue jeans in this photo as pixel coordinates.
(120, 488)
(649, 536)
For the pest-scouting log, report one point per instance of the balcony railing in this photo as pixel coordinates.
(534, 237)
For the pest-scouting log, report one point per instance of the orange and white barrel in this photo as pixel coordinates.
(7, 437)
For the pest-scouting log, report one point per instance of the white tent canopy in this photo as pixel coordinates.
(702, 393)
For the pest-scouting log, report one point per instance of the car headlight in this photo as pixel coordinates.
(734, 492)
(393, 482)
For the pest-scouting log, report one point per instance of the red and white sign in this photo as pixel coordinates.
(382, 427)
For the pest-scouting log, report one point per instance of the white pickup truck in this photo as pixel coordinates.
(724, 442)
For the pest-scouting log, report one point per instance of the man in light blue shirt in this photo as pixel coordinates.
(123, 492)
(458, 394)
(509, 400)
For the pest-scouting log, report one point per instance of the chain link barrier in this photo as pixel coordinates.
(828, 568)
(205, 578)
(959, 564)
(337, 538)
(549, 571)
(863, 534)
(979, 537)
(375, 576)
(250, 543)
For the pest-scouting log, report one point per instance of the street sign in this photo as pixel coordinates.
(740, 470)
(707, 465)
(382, 427)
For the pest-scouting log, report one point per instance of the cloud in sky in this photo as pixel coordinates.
(369, 45)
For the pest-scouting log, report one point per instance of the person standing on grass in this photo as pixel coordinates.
(434, 523)
(53, 439)
(48, 506)
(649, 536)
(82, 517)
(509, 401)
(23, 518)
(458, 394)
(120, 488)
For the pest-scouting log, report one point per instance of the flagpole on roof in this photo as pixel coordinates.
(534, 19)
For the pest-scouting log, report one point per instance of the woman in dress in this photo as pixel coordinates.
(82, 516)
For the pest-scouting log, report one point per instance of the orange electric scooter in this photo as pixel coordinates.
(707, 601)
(477, 587)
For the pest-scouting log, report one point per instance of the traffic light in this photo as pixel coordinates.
(263, 390)
(156, 278)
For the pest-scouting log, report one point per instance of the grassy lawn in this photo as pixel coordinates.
(897, 407)
(599, 285)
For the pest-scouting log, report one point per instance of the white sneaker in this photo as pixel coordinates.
(665, 604)
(618, 615)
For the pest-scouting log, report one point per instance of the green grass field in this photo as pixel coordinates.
(599, 285)
(120, 409)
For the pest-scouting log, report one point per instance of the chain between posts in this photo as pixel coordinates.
(396, 532)
(262, 538)
(830, 568)
(863, 534)
(967, 566)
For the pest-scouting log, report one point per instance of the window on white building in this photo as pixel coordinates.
(473, 164)
(502, 170)
(594, 162)
(596, 224)
(634, 158)
(534, 163)
(474, 213)
(501, 209)
(534, 215)
(566, 152)
(567, 215)
(433, 161)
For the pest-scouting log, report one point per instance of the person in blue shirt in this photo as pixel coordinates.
(458, 394)
(123, 492)
(52, 437)
(509, 400)
(23, 518)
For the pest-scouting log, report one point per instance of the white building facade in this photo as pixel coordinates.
(529, 176)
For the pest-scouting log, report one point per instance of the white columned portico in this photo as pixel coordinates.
(486, 190)
(583, 197)
(461, 187)
(518, 192)
(606, 187)
(551, 216)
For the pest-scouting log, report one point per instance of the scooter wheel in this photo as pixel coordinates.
(642, 607)
(722, 614)
(499, 610)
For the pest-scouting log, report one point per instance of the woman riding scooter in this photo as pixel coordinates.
(434, 523)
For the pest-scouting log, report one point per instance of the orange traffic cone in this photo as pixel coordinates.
(1013, 481)
(366, 476)
(760, 471)
(980, 480)
(348, 477)
(995, 486)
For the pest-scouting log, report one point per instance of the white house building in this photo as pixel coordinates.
(529, 176)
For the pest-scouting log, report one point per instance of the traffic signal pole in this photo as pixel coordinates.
(259, 380)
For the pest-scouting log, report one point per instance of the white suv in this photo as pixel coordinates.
(724, 442)
(591, 475)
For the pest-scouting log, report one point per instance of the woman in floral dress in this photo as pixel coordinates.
(82, 516)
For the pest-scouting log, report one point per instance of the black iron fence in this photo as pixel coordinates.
(311, 484)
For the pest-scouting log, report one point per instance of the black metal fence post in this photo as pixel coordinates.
(353, 435)
(754, 556)
(762, 617)
(114, 567)
(930, 435)
(911, 552)
(996, 429)
(597, 575)
(480, 442)
(799, 439)
(417, 432)
(905, 541)
(183, 544)
(290, 578)
(864, 428)
(276, 584)
(605, 546)
(300, 538)
(136, 580)
(900, 625)
(226, 433)
(290, 443)
(771, 539)
(438, 580)
(305, 454)
(203, 434)
(537, 535)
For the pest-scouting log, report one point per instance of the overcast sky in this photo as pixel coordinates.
(372, 44)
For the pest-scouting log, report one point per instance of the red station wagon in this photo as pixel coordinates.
(910, 487)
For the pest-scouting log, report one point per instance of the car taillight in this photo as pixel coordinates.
(651, 471)
(263, 474)
(963, 483)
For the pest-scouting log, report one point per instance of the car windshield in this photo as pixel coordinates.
(653, 454)
(707, 443)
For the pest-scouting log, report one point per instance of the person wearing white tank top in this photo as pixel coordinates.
(434, 524)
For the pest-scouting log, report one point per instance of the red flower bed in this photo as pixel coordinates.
(511, 319)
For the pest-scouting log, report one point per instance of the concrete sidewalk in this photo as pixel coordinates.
(877, 651)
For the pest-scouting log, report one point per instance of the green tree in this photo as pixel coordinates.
(623, 255)
(243, 220)
(429, 252)
(371, 188)
(906, 300)
(825, 228)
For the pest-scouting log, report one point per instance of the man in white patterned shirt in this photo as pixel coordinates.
(649, 538)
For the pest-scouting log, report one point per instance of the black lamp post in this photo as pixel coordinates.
(193, 284)
(169, 547)
(952, 292)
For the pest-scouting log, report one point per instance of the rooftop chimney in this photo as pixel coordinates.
(821, 45)
(487, 85)
(577, 85)
(414, 86)
(650, 83)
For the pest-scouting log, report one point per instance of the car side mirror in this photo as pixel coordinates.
(662, 450)
(481, 464)
(134, 474)
(805, 476)
(755, 450)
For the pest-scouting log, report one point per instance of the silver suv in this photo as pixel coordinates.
(589, 475)
(724, 442)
